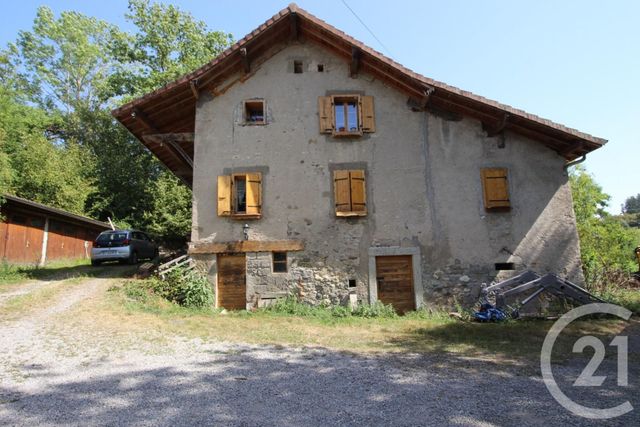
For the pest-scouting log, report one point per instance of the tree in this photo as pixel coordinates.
(168, 43)
(632, 205)
(6, 172)
(66, 61)
(606, 243)
(58, 82)
(170, 215)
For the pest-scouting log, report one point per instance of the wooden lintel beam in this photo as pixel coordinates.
(354, 67)
(493, 129)
(294, 28)
(246, 66)
(571, 149)
(246, 246)
(193, 84)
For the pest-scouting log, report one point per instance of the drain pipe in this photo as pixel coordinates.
(575, 162)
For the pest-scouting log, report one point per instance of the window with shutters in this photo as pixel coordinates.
(495, 189)
(346, 115)
(240, 195)
(350, 193)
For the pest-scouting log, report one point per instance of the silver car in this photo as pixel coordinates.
(124, 246)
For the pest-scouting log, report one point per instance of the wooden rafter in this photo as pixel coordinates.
(244, 58)
(571, 149)
(493, 129)
(354, 67)
(193, 84)
(294, 27)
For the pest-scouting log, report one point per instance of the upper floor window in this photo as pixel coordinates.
(346, 115)
(254, 112)
(240, 195)
(495, 188)
(350, 193)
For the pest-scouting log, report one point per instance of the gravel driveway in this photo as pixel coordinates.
(192, 382)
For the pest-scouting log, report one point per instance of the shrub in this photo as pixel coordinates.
(185, 287)
(291, 306)
(377, 309)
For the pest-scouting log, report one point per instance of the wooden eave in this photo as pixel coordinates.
(171, 109)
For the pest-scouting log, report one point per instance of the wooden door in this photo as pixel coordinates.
(394, 275)
(4, 225)
(232, 285)
(17, 242)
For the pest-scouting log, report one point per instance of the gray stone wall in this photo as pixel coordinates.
(423, 187)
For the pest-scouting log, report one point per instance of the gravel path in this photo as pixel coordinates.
(208, 383)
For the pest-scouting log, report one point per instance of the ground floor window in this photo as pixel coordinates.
(280, 262)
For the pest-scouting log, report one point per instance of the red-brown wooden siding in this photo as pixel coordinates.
(22, 234)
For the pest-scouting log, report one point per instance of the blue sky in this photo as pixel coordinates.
(576, 62)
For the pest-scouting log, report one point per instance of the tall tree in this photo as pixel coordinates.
(632, 205)
(167, 43)
(606, 243)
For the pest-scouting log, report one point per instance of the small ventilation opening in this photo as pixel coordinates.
(352, 283)
(320, 68)
(297, 67)
(504, 266)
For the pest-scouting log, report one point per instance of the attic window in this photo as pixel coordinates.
(297, 67)
(320, 68)
(254, 112)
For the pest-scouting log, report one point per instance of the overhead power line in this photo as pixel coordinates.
(367, 28)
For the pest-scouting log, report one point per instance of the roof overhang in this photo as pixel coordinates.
(164, 120)
(18, 203)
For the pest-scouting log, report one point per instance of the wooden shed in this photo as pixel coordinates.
(33, 233)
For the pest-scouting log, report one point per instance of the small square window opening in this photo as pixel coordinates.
(352, 283)
(297, 67)
(500, 266)
(254, 112)
(279, 262)
(320, 68)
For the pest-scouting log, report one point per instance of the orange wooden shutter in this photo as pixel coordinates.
(367, 114)
(325, 112)
(224, 195)
(495, 188)
(254, 193)
(358, 192)
(342, 190)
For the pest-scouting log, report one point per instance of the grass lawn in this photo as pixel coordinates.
(129, 305)
(11, 274)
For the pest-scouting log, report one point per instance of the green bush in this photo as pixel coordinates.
(376, 309)
(187, 288)
(291, 306)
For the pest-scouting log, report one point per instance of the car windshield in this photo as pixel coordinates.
(112, 237)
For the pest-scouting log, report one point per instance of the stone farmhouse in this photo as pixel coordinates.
(323, 169)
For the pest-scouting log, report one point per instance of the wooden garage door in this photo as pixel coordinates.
(394, 275)
(232, 286)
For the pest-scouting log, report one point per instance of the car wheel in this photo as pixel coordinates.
(133, 259)
(95, 263)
